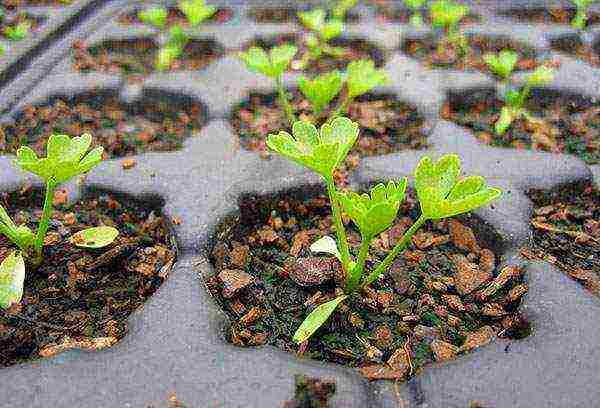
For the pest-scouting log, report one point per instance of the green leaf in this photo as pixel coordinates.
(312, 19)
(64, 160)
(321, 90)
(447, 13)
(414, 4)
(316, 319)
(416, 20)
(326, 245)
(376, 212)
(507, 116)
(331, 29)
(196, 11)
(541, 76)
(155, 16)
(12, 277)
(95, 237)
(273, 64)
(362, 76)
(342, 7)
(441, 194)
(502, 64)
(20, 235)
(19, 31)
(320, 151)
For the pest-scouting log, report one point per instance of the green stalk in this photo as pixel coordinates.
(45, 220)
(285, 102)
(580, 18)
(340, 231)
(356, 273)
(387, 262)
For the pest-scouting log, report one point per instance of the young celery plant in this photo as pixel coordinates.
(167, 54)
(440, 191)
(581, 17)
(196, 11)
(154, 16)
(18, 32)
(66, 159)
(341, 8)
(322, 31)
(416, 19)
(446, 15)
(273, 64)
(514, 98)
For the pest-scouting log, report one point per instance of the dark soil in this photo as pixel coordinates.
(355, 49)
(311, 392)
(281, 15)
(36, 23)
(388, 125)
(426, 50)
(566, 232)
(554, 15)
(402, 15)
(572, 45)
(418, 312)
(570, 124)
(175, 16)
(15, 4)
(156, 123)
(137, 56)
(81, 298)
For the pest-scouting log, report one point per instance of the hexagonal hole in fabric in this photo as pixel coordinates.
(548, 15)
(137, 56)
(387, 12)
(356, 48)
(573, 45)
(175, 16)
(158, 121)
(387, 123)
(427, 49)
(565, 122)
(442, 297)
(282, 15)
(81, 298)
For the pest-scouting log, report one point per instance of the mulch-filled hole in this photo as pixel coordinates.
(574, 46)
(175, 16)
(158, 122)
(448, 57)
(356, 49)
(81, 298)
(442, 297)
(570, 123)
(552, 15)
(15, 4)
(281, 15)
(138, 56)
(387, 124)
(402, 16)
(35, 23)
(566, 232)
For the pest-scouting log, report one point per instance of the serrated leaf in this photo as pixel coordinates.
(316, 319)
(272, 64)
(342, 7)
(19, 31)
(541, 76)
(414, 4)
(196, 11)
(312, 19)
(321, 90)
(281, 56)
(447, 13)
(326, 245)
(502, 64)
(155, 16)
(362, 77)
(12, 277)
(331, 29)
(507, 116)
(95, 237)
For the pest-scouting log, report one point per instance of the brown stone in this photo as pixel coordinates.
(234, 280)
(312, 270)
(443, 351)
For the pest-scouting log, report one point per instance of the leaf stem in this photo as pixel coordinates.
(340, 231)
(387, 262)
(45, 220)
(356, 273)
(285, 102)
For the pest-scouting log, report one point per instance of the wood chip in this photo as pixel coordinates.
(469, 276)
(477, 339)
(128, 163)
(233, 281)
(463, 236)
(443, 351)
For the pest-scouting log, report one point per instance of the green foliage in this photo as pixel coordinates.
(441, 193)
(272, 64)
(362, 76)
(66, 158)
(316, 319)
(196, 11)
(580, 18)
(503, 63)
(154, 16)
(172, 49)
(12, 277)
(447, 13)
(321, 90)
(341, 8)
(19, 31)
(315, 20)
(321, 151)
(95, 237)
(20, 235)
(414, 4)
(376, 212)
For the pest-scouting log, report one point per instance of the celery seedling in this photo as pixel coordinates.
(503, 65)
(446, 15)
(322, 31)
(172, 49)
(416, 19)
(580, 19)
(341, 8)
(440, 192)
(273, 64)
(154, 16)
(18, 32)
(66, 159)
(196, 11)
